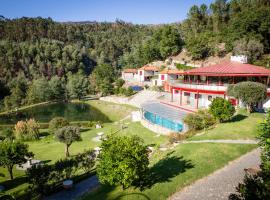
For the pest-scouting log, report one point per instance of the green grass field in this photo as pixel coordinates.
(185, 164)
(176, 169)
(242, 127)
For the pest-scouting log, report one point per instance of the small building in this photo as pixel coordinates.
(169, 75)
(146, 73)
(199, 86)
(130, 74)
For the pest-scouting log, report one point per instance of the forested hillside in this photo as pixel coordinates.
(42, 60)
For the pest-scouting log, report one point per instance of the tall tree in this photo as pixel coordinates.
(68, 135)
(77, 85)
(13, 153)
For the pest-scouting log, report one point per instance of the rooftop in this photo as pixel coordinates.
(131, 70)
(172, 71)
(149, 68)
(230, 68)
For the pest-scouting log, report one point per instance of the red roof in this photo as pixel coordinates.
(131, 70)
(172, 71)
(230, 68)
(149, 68)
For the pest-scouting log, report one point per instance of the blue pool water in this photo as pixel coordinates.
(161, 121)
(136, 88)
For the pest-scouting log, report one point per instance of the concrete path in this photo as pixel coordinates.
(223, 141)
(79, 189)
(221, 183)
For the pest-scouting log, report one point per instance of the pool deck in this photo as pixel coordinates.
(175, 105)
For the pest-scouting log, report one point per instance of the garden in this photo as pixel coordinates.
(172, 166)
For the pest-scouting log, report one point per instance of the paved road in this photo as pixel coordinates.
(221, 183)
(224, 141)
(79, 189)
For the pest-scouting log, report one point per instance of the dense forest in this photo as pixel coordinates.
(42, 60)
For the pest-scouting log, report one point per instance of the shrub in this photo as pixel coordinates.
(176, 137)
(122, 164)
(38, 177)
(65, 168)
(27, 130)
(86, 160)
(221, 109)
(32, 129)
(56, 123)
(119, 83)
(6, 134)
(200, 120)
(129, 91)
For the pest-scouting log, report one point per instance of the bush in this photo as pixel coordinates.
(221, 109)
(43, 179)
(129, 91)
(56, 123)
(176, 137)
(27, 130)
(119, 83)
(6, 134)
(200, 120)
(38, 177)
(122, 164)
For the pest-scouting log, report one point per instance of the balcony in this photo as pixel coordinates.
(199, 86)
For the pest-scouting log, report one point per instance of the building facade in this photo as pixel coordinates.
(197, 87)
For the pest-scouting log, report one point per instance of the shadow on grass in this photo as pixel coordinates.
(9, 184)
(131, 194)
(238, 117)
(165, 169)
(84, 129)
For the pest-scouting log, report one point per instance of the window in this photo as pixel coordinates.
(198, 96)
(140, 73)
(162, 77)
(186, 94)
(210, 98)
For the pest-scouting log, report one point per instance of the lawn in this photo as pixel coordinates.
(242, 126)
(173, 170)
(113, 111)
(49, 150)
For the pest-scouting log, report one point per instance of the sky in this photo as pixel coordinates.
(134, 11)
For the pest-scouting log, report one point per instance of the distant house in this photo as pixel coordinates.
(130, 74)
(146, 73)
(168, 75)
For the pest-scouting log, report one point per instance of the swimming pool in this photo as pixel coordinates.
(164, 116)
(161, 121)
(136, 88)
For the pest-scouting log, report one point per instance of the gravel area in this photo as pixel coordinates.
(221, 183)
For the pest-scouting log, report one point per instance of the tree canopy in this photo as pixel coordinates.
(13, 153)
(122, 161)
(250, 93)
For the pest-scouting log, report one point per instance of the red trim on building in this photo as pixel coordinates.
(200, 91)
